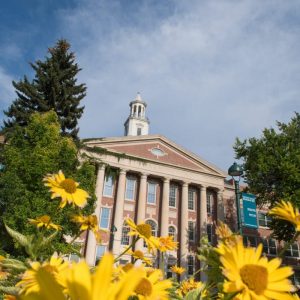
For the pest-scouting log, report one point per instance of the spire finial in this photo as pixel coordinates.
(138, 96)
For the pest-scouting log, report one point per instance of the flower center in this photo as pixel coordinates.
(144, 287)
(255, 277)
(127, 267)
(69, 185)
(139, 254)
(145, 230)
(45, 219)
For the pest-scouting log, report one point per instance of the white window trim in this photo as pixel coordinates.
(173, 185)
(194, 198)
(134, 185)
(155, 184)
(112, 187)
(109, 212)
(265, 215)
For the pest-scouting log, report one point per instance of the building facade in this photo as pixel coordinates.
(151, 179)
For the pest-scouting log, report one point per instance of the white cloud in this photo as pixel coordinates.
(210, 70)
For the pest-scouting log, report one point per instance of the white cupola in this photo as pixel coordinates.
(137, 123)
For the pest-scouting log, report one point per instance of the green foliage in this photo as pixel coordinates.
(54, 87)
(31, 153)
(272, 166)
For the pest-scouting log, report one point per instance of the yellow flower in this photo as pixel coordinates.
(143, 231)
(177, 270)
(66, 188)
(223, 231)
(253, 276)
(153, 287)
(9, 297)
(189, 285)
(137, 254)
(286, 211)
(44, 221)
(167, 243)
(54, 267)
(89, 223)
(84, 286)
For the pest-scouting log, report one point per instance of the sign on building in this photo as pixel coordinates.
(249, 210)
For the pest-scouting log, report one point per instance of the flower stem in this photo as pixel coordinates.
(126, 249)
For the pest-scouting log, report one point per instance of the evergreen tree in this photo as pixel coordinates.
(54, 87)
(32, 152)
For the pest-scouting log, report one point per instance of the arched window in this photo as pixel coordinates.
(125, 239)
(172, 232)
(153, 227)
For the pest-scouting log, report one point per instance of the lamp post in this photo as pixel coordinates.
(236, 171)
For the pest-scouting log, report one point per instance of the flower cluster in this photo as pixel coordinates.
(243, 274)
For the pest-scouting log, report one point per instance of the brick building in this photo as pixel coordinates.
(151, 179)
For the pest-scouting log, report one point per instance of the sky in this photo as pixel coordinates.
(210, 71)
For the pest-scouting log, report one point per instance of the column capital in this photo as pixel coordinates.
(166, 179)
(144, 175)
(203, 187)
(101, 166)
(122, 171)
(185, 184)
(220, 192)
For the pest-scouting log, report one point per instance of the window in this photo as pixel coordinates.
(99, 253)
(104, 217)
(209, 232)
(74, 257)
(108, 186)
(172, 232)
(296, 277)
(263, 219)
(191, 200)
(172, 196)
(154, 228)
(292, 251)
(130, 185)
(249, 241)
(151, 197)
(139, 131)
(209, 203)
(190, 265)
(269, 246)
(191, 231)
(125, 239)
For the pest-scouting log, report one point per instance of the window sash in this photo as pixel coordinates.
(125, 239)
(104, 217)
(151, 195)
(172, 196)
(191, 200)
(209, 203)
(130, 185)
(191, 231)
(190, 265)
(108, 186)
(99, 253)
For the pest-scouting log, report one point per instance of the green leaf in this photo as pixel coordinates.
(193, 295)
(17, 236)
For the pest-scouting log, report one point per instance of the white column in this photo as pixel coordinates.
(141, 206)
(165, 208)
(91, 242)
(118, 219)
(220, 204)
(184, 242)
(203, 221)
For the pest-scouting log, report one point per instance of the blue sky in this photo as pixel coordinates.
(210, 71)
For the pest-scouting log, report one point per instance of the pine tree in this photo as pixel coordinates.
(53, 88)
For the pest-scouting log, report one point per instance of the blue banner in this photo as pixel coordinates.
(249, 210)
